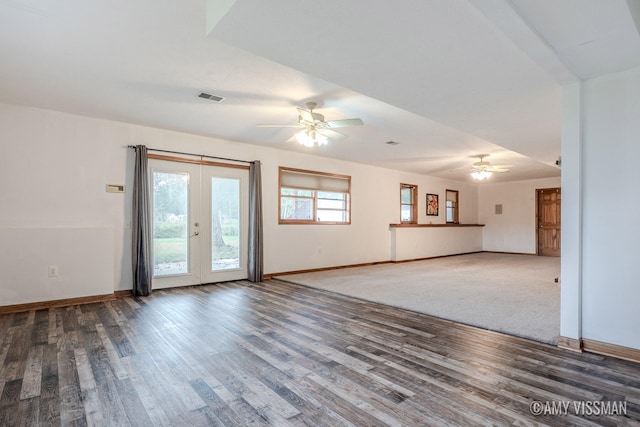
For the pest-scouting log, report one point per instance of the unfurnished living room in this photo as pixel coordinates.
(340, 213)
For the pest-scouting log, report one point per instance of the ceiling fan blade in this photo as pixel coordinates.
(279, 126)
(499, 170)
(330, 133)
(344, 123)
(306, 115)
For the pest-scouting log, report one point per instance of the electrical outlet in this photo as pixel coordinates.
(53, 271)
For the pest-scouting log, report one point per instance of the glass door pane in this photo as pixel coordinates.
(175, 209)
(225, 201)
(225, 224)
(170, 223)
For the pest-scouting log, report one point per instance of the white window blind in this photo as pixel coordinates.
(314, 181)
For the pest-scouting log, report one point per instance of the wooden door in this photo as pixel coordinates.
(548, 216)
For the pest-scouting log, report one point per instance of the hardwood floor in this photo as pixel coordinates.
(274, 353)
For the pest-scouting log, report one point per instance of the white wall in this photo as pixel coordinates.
(611, 209)
(570, 264)
(515, 229)
(83, 257)
(54, 168)
(54, 209)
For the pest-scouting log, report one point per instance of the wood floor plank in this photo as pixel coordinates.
(93, 409)
(274, 353)
(254, 391)
(148, 398)
(342, 408)
(9, 403)
(222, 412)
(316, 412)
(4, 349)
(55, 330)
(353, 396)
(20, 319)
(71, 407)
(49, 413)
(29, 411)
(32, 377)
(131, 402)
(16, 356)
(83, 369)
(180, 385)
(113, 355)
(164, 404)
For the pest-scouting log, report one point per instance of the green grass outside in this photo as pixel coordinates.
(170, 250)
(229, 250)
(175, 249)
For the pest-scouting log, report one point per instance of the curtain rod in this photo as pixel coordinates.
(191, 154)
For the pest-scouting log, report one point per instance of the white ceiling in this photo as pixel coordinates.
(446, 79)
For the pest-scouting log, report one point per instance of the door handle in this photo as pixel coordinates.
(196, 233)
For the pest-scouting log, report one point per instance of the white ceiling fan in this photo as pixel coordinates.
(483, 169)
(315, 130)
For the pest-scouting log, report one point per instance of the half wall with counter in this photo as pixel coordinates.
(418, 241)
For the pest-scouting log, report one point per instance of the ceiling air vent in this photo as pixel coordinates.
(214, 98)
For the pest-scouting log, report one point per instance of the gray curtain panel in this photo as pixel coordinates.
(255, 262)
(141, 226)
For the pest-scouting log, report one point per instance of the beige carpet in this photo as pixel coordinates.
(515, 294)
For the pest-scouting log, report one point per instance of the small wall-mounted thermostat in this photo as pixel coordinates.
(113, 188)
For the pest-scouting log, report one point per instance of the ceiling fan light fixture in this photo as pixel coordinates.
(316, 130)
(481, 175)
(304, 139)
(309, 138)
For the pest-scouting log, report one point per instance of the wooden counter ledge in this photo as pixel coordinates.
(433, 225)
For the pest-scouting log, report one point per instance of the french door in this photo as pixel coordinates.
(200, 223)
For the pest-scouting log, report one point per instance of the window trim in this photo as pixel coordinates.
(456, 208)
(314, 221)
(413, 204)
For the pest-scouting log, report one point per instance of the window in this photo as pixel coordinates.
(308, 197)
(452, 206)
(408, 203)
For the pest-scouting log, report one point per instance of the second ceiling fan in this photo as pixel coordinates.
(315, 129)
(483, 169)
